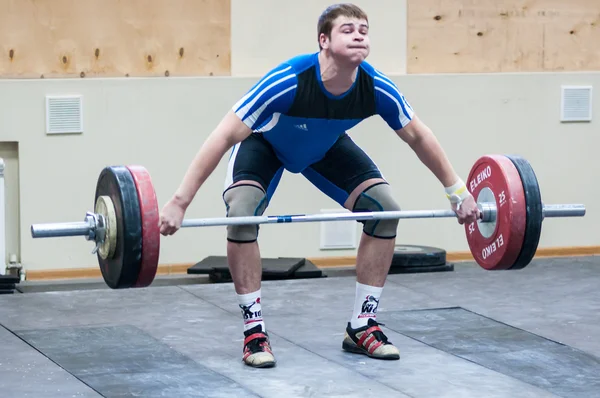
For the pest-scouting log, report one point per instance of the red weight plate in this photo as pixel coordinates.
(497, 248)
(150, 229)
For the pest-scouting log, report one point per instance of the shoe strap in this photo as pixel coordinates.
(367, 333)
(369, 336)
(262, 344)
(255, 336)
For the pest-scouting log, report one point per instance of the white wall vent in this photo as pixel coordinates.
(576, 104)
(64, 114)
(338, 234)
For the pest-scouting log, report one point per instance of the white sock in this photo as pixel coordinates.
(366, 302)
(251, 310)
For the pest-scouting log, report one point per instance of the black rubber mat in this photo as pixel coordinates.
(124, 361)
(9, 279)
(8, 283)
(273, 268)
(554, 367)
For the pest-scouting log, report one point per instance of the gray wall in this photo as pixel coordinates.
(161, 122)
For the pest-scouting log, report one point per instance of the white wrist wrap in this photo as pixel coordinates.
(457, 192)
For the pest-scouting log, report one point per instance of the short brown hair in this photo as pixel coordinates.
(331, 13)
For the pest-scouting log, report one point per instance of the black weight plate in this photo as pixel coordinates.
(413, 255)
(534, 215)
(122, 270)
(422, 269)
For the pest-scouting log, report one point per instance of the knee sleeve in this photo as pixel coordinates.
(378, 198)
(242, 201)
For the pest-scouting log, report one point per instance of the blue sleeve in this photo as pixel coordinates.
(273, 93)
(390, 102)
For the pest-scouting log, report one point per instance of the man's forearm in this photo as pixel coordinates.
(203, 164)
(430, 152)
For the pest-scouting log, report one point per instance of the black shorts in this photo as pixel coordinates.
(344, 167)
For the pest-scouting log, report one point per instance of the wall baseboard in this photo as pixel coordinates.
(73, 273)
(321, 262)
(462, 256)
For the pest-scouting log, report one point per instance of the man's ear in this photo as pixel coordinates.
(324, 41)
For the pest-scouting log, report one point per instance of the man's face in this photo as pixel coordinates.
(349, 39)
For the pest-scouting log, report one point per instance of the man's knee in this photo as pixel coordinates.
(242, 201)
(378, 197)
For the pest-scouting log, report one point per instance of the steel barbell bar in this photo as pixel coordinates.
(488, 211)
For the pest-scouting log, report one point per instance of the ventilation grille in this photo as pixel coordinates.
(64, 114)
(576, 104)
(338, 234)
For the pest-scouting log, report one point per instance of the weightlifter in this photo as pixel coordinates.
(296, 118)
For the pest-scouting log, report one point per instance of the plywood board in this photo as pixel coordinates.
(455, 36)
(87, 38)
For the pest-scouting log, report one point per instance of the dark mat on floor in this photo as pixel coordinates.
(8, 283)
(544, 363)
(123, 361)
(273, 268)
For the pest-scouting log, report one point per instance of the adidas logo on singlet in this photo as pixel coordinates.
(301, 127)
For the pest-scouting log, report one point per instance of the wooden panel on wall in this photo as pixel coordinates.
(87, 38)
(455, 36)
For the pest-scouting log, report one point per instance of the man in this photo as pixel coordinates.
(296, 118)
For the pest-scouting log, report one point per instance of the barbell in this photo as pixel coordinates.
(125, 222)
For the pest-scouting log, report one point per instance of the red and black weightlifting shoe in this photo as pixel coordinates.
(369, 340)
(257, 349)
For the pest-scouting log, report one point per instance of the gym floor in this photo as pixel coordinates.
(466, 333)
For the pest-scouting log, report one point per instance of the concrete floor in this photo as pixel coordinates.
(466, 333)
